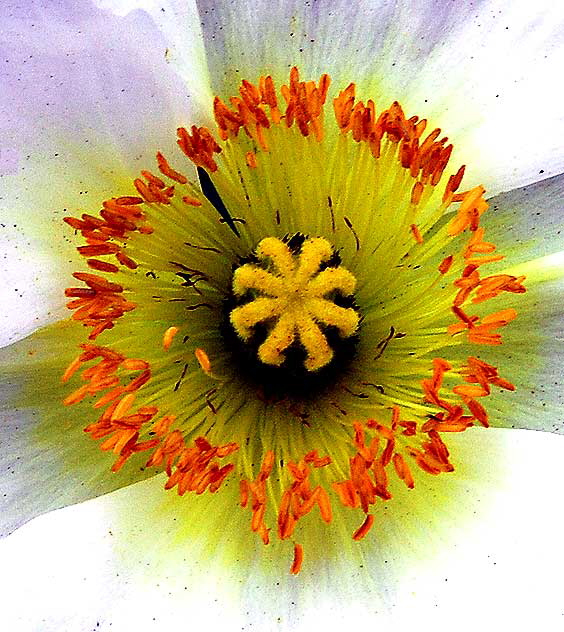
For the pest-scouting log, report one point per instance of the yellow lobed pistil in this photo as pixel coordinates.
(292, 296)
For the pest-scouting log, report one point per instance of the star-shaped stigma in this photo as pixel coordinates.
(290, 299)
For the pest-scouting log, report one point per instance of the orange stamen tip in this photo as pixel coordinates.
(76, 397)
(167, 170)
(256, 492)
(191, 201)
(364, 528)
(199, 146)
(403, 471)
(251, 159)
(416, 234)
(168, 337)
(267, 465)
(102, 266)
(298, 559)
(417, 192)
(446, 264)
(71, 369)
(123, 406)
(203, 360)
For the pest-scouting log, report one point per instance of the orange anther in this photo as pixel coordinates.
(134, 364)
(102, 266)
(416, 234)
(97, 283)
(251, 159)
(191, 201)
(71, 369)
(77, 396)
(126, 261)
(298, 559)
(445, 264)
(403, 471)
(203, 361)
(364, 528)
(123, 406)
(470, 391)
(416, 193)
(167, 170)
(168, 337)
(267, 465)
(324, 505)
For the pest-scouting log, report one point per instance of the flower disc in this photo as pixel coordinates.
(302, 319)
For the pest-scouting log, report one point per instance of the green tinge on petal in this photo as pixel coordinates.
(532, 353)
(47, 461)
(527, 223)
(494, 568)
(210, 535)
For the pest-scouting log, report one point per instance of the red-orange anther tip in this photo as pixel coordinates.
(71, 369)
(191, 201)
(364, 528)
(251, 159)
(446, 264)
(416, 193)
(442, 364)
(416, 233)
(267, 464)
(500, 318)
(167, 170)
(298, 559)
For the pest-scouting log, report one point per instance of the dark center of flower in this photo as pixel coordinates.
(291, 319)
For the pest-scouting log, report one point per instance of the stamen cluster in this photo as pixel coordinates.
(292, 296)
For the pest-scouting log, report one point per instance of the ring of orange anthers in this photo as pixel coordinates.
(115, 380)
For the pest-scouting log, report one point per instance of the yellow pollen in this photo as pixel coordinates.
(293, 298)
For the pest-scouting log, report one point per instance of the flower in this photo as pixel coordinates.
(237, 320)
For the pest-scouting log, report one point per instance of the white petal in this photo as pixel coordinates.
(532, 353)
(483, 72)
(103, 79)
(502, 567)
(180, 24)
(47, 461)
(89, 99)
(527, 223)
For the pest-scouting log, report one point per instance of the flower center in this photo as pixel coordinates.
(293, 314)
(167, 368)
(295, 299)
